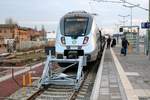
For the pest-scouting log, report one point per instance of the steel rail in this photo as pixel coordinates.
(74, 93)
(72, 97)
(33, 97)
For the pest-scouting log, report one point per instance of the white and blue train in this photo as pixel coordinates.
(78, 35)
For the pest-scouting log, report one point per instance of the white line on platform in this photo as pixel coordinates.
(128, 89)
(96, 87)
(19, 72)
(132, 74)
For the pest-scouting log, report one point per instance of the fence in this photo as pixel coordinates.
(23, 45)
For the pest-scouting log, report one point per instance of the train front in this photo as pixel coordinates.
(73, 37)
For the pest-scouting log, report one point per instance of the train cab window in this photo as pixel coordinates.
(75, 26)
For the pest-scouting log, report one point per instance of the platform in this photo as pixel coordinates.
(137, 70)
(122, 77)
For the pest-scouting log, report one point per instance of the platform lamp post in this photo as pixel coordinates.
(131, 7)
(123, 16)
(137, 41)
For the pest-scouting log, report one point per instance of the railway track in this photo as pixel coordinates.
(52, 92)
(55, 92)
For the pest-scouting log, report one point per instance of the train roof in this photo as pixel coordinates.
(77, 14)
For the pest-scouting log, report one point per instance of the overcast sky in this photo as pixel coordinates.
(33, 13)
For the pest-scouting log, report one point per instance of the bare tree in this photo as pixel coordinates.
(10, 21)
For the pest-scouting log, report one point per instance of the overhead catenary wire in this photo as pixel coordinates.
(124, 2)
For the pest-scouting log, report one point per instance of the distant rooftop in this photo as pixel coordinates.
(15, 26)
(8, 25)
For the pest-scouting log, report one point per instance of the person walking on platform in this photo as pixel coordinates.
(113, 44)
(125, 44)
(108, 42)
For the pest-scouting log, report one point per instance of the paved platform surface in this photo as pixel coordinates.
(137, 69)
(110, 88)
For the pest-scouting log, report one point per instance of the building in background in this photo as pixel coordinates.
(14, 37)
(50, 39)
(18, 33)
(51, 36)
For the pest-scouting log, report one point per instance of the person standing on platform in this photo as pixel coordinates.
(113, 44)
(108, 42)
(125, 44)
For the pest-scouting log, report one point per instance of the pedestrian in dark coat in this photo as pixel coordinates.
(113, 44)
(125, 44)
(108, 42)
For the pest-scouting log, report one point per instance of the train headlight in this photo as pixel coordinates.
(63, 40)
(85, 40)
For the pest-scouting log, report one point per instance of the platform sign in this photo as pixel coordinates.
(145, 25)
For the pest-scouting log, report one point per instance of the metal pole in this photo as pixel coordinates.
(137, 41)
(123, 16)
(149, 34)
(131, 19)
(138, 44)
(123, 21)
(131, 7)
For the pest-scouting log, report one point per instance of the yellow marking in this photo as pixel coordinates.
(30, 79)
(24, 84)
(130, 49)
